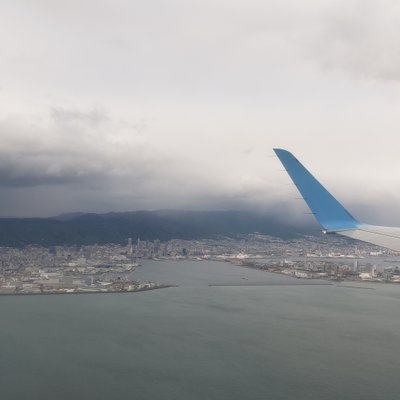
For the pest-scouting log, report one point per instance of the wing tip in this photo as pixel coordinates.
(279, 150)
(283, 153)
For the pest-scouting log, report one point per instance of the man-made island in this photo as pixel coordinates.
(39, 270)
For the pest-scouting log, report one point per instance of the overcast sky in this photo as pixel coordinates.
(112, 105)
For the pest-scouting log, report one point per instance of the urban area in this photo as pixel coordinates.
(111, 267)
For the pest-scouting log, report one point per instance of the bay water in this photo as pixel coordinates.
(255, 335)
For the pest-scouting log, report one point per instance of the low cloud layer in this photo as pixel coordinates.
(67, 147)
(124, 105)
(88, 156)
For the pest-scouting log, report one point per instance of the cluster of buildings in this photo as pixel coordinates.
(256, 246)
(89, 269)
(110, 267)
(373, 270)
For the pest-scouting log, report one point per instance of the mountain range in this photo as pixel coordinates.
(116, 227)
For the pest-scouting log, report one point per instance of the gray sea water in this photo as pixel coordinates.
(283, 340)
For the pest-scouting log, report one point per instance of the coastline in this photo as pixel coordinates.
(88, 292)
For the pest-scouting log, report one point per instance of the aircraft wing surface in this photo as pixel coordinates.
(332, 216)
(384, 236)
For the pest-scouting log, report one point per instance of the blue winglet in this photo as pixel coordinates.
(326, 209)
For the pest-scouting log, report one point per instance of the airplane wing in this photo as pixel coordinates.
(331, 215)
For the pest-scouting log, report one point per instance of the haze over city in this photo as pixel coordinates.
(120, 105)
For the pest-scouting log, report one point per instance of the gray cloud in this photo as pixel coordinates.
(178, 105)
(73, 154)
(92, 117)
(361, 37)
(71, 146)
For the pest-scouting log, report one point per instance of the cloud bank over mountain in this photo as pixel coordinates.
(121, 105)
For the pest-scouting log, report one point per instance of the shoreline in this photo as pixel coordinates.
(89, 292)
(271, 284)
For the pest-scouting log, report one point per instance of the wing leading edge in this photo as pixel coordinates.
(331, 215)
